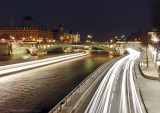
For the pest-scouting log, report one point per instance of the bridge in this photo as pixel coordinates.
(111, 88)
(35, 48)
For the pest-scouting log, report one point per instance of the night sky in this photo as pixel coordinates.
(101, 18)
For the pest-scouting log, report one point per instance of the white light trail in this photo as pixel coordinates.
(101, 102)
(28, 65)
(37, 61)
(101, 99)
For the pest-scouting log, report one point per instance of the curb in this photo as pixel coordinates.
(147, 76)
(137, 73)
(144, 75)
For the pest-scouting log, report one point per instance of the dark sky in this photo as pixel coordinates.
(101, 18)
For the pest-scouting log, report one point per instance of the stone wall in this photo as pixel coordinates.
(4, 49)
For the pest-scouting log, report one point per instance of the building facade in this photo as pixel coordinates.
(65, 36)
(22, 33)
(154, 34)
(26, 32)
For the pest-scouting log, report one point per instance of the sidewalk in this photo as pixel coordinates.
(149, 84)
(151, 72)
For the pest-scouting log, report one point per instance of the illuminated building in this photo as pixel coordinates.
(27, 32)
(154, 34)
(65, 36)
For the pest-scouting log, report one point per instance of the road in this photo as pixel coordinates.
(118, 93)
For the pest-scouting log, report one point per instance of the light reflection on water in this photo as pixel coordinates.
(39, 89)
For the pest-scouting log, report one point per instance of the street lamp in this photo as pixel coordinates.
(122, 36)
(89, 37)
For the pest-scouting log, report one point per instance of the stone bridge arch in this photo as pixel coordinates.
(21, 50)
(25, 50)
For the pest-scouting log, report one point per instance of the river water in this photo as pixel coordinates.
(38, 90)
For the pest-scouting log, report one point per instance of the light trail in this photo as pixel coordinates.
(129, 102)
(36, 61)
(32, 64)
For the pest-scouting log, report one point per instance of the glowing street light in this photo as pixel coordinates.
(155, 40)
(122, 36)
(89, 36)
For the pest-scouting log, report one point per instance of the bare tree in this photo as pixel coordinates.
(145, 39)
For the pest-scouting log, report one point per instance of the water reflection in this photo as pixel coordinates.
(39, 89)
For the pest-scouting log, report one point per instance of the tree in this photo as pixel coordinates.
(143, 37)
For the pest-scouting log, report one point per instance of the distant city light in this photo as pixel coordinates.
(12, 38)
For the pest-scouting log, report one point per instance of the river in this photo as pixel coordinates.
(38, 90)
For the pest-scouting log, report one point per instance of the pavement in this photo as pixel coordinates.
(149, 85)
(151, 72)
